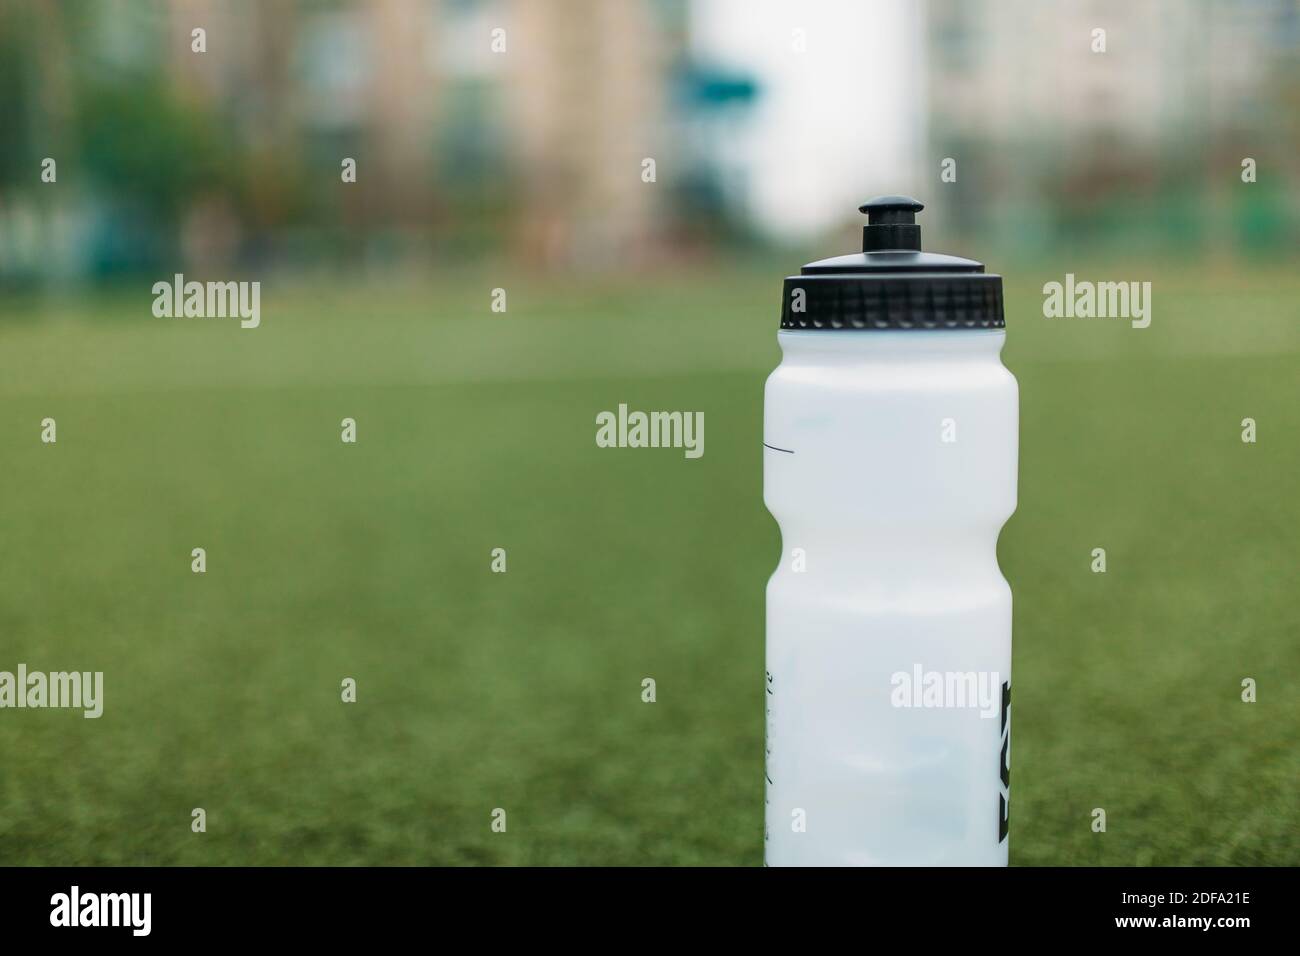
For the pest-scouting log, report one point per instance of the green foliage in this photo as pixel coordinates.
(144, 145)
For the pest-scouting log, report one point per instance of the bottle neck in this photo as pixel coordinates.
(854, 346)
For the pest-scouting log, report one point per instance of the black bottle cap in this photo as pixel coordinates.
(892, 284)
(891, 223)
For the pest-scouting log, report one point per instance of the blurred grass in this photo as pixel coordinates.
(522, 691)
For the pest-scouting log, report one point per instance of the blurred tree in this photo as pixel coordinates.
(16, 100)
(146, 148)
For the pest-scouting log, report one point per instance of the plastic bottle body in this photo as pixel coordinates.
(890, 466)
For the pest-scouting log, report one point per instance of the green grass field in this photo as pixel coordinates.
(523, 690)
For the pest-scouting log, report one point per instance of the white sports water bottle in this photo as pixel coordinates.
(890, 443)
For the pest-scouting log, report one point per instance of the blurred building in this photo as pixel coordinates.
(530, 127)
(474, 124)
(1053, 139)
(590, 109)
